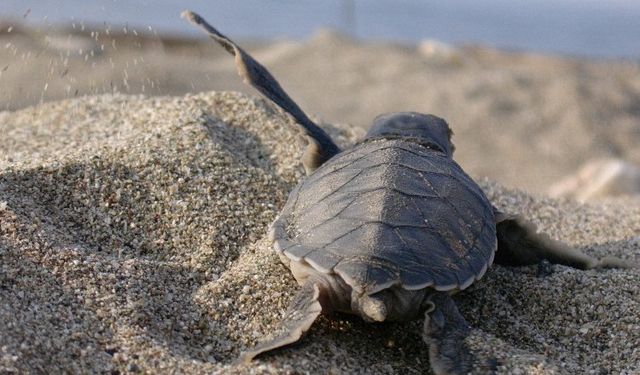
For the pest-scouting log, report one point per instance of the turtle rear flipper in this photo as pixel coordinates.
(302, 312)
(445, 331)
(321, 147)
(520, 244)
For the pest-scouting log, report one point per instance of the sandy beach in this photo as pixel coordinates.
(524, 120)
(132, 228)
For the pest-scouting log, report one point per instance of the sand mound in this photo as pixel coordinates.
(524, 120)
(132, 239)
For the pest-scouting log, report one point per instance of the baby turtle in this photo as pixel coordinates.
(389, 228)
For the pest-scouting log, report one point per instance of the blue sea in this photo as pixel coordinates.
(603, 28)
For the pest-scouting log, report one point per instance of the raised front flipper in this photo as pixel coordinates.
(302, 312)
(321, 147)
(520, 244)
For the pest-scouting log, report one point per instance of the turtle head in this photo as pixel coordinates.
(429, 130)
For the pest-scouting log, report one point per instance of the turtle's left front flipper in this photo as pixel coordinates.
(302, 312)
(321, 147)
(520, 244)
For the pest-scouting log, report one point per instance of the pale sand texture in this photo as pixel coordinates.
(132, 239)
(524, 120)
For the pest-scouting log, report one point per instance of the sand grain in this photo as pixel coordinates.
(132, 239)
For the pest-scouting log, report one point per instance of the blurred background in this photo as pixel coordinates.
(576, 27)
(542, 95)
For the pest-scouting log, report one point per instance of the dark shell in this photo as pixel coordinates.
(390, 212)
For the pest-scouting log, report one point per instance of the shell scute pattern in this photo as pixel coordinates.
(368, 274)
(393, 215)
(391, 212)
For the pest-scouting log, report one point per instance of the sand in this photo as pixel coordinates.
(132, 239)
(524, 120)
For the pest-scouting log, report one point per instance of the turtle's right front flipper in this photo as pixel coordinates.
(302, 312)
(321, 147)
(520, 244)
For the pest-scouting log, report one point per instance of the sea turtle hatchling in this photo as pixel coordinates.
(389, 228)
